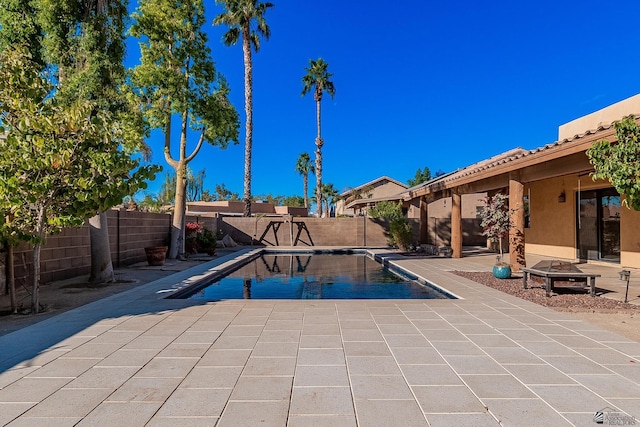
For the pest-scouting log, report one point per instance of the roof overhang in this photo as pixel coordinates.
(559, 158)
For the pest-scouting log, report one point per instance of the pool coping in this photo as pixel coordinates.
(219, 268)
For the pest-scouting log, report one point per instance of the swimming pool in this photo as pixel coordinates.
(312, 276)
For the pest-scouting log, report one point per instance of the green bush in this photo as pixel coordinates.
(206, 240)
(387, 210)
(401, 233)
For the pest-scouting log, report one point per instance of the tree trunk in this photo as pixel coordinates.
(10, 272)
(248, 108)
(319, 143)
(176, 248)
(305, 182)
(101, 265)
(11, 280)
(35, 284)
(35, 288)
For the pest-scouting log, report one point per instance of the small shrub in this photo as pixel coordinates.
(401, 233)
(191, 230)
(199, 238)
(206, 240)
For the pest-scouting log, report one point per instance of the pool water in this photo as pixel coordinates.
(313, 276)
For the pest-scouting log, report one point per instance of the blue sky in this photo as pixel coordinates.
(418, 83)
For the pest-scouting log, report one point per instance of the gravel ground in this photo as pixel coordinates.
(601, 311)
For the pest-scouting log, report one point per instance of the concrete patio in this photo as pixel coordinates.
(488, 359)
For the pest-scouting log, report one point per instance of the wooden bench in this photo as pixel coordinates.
(557, 270)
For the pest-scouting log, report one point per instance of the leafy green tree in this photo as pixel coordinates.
(386, 210)
(177, 77)
(90, 63)
(619, 162)
(304, 167)
(20, 27)
(317, 79)
(223, 193)
(150, 204)
(239, 16)
(61, 161)
(167, 194)
(294, 201)
(195, 185)
(80, 45)
(421, 176)
(83, 42)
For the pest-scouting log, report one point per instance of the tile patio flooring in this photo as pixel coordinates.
(486, 360)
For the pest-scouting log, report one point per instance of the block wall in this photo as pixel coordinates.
(68, 254)
(273, 231)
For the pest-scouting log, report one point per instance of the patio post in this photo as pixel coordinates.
(516, 233)
(424, 218)
(456, 225)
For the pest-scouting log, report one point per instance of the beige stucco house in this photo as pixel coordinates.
(557, 208)
(357, 200)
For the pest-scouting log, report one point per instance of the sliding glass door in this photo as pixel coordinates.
(599, 225)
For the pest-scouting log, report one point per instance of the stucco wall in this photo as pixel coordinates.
(601, 117)
(387, 188)
(552, 226)
(230, 207)
(552, 230)
(629, 238)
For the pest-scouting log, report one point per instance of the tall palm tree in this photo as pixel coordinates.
(304, 167)
(317, 78)
(238, 16)
(329, 195)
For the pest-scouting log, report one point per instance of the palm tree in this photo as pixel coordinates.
(317, 77)
(329, 195)
(238, 16)
(304, 167)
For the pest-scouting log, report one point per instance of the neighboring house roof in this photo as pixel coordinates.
(374, 200)
(371, 183)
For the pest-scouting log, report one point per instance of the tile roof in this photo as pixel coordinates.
(507, 158)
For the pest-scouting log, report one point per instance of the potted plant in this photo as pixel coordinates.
(495, 225)
(156, 255)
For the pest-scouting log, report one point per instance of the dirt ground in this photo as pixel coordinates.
(58, 297)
